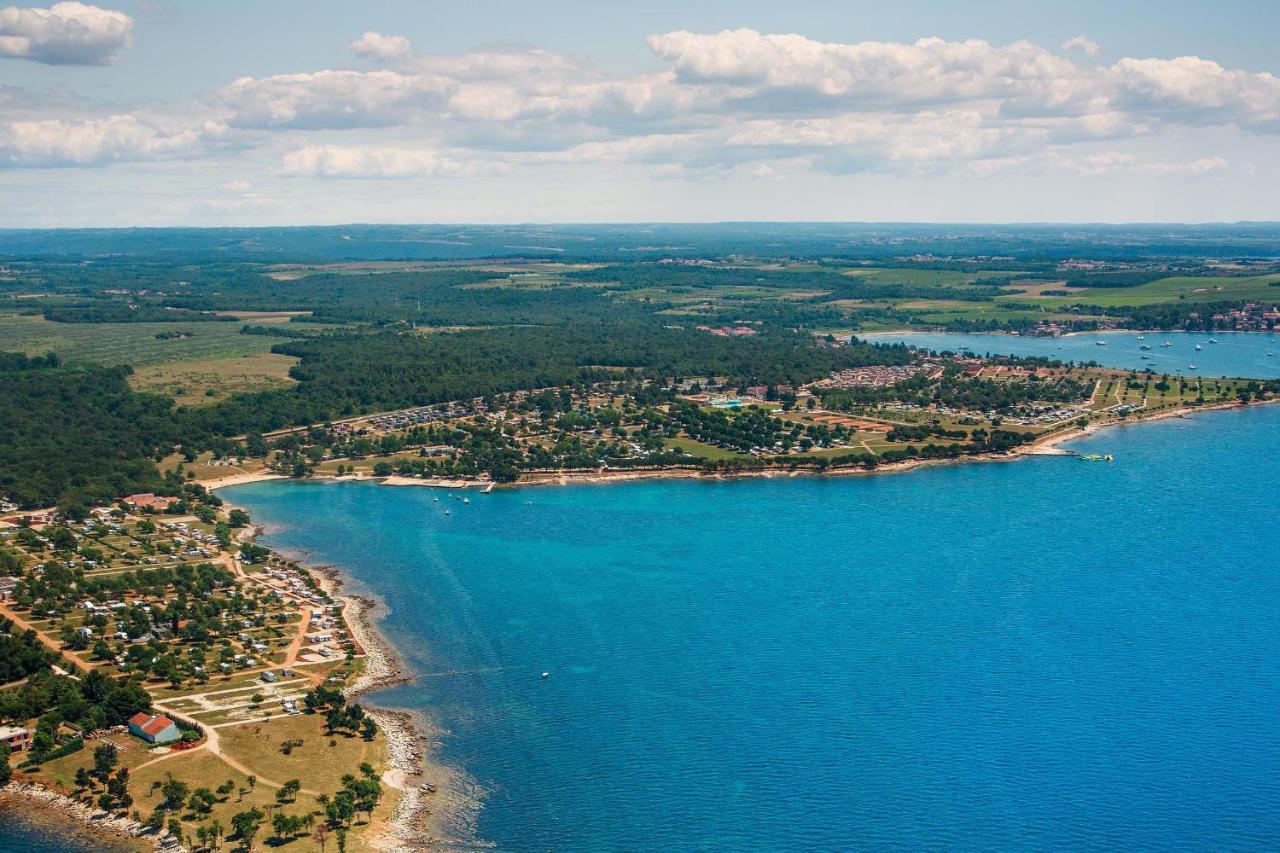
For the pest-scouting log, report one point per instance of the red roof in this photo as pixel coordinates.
(157, 725)
(149, 724)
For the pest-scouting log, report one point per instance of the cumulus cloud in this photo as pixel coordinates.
(338, 161)
(64, 34)
(331, 99)
(381, 48)
(1082, 43)
(862, 74)
(736, 99)
(112, 139)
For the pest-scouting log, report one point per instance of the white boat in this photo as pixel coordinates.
(435, 500)
(1166, 344)
(466, 500)
(1192, 367)
(1213, 340)
(1101, 343)
(1271, 352)
(1198, 347)
(1142, 337)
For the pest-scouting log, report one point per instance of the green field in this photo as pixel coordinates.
(1265, 288)
(127, 343)
(926, 278)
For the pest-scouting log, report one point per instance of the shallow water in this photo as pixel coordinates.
(1235, 354)
(24, 829)
(1048, 653)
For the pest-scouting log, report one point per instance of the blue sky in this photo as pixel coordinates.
(154, 113)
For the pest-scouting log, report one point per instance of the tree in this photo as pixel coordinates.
(175, 792)
(289, 791)
(105, 757)
(83, 780)
(5, 772)
(202, 801)
(246, 825)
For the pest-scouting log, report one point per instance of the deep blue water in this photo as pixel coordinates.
(1235, 354)
(1045, 654)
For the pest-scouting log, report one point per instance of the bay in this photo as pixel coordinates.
(1255, 355)
(1041, 654)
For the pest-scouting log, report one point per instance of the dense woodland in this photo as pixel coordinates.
(79, 434)
(377, 338)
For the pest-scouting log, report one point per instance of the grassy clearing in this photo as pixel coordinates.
(210, 380)
(128, 343)
(926, 278)
(257, 746)
(706, 451)
(1184, 288)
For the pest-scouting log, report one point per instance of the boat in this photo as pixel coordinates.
(1192, 367)
(1145, 357)
(1142, 337)
(466, 500)
(1166, 344)
(1145, 346)
(446, 512)
(1271, 352)
(1095, 457)
(435, 500)
(1213, 340)
(1101, 343)
(1198, 347)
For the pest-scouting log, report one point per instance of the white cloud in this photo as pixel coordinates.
(64, 34)
(113, 139)
(331, 99)
(865, 74)
(1098, 164)
(1082, 43)
(381, 48)
(338, 161)
(736, 100)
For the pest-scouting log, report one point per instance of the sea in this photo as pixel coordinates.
(1235, 354)
(1043, 654)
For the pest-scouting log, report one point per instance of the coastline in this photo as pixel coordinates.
(431, 800)
(435, 797)
(119, 832)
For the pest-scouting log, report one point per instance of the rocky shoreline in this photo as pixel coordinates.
(109, 827)
(421, 817)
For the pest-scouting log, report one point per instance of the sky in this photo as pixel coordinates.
(159, 112)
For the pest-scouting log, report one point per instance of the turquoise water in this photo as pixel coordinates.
(1235, 354)
(1045, 654)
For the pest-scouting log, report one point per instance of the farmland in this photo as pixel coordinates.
(128, 343)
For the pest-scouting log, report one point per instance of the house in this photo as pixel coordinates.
(7, 586)
(15, 737)
(147, 500)
(154, 728)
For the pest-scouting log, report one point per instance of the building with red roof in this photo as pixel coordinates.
(154, 728)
